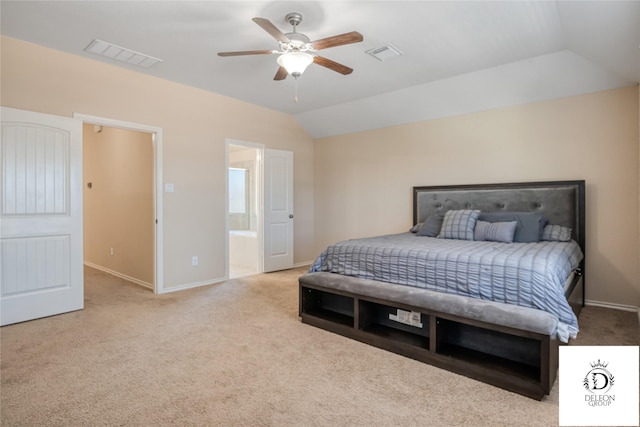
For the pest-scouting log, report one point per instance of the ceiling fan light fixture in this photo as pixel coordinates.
(295, 62)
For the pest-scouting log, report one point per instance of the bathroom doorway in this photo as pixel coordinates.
(244, 209)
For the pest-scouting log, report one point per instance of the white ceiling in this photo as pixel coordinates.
(458, 57)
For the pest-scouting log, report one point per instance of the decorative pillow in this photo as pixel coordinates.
(556, 233)
(459, 224)
(495, 231)
(529, 228)
(416, 227)
(432, 225)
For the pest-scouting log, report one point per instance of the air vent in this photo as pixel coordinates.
(385, 52)
(118, 53)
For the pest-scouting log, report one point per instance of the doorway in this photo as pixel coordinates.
(244, 215)
(118, 208)
(109, 252)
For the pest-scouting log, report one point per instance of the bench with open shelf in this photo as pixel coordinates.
(505, 357)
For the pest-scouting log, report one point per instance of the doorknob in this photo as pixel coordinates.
(290, 215)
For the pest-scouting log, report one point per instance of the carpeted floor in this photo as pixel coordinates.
(236, 354)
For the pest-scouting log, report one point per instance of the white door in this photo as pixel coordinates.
(41, 212)
(278, 210)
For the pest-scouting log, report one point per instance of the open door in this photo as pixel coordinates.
(41, 213)
(278, 210)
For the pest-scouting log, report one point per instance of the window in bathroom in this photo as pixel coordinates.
(239, 198)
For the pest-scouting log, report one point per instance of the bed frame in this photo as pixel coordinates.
(511, 347)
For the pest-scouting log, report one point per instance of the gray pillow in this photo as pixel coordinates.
(556, 233)
(432, 225)
(459, 224)
(529, 228)
(416, 227)
(495, 231)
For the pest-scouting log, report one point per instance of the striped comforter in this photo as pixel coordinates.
(524, 274)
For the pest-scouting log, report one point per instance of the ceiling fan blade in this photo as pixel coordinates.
(332, 65)
(342, 39)
(246, 52)
(271, 29)
(281, 74)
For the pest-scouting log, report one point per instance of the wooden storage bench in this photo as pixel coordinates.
(510, 347)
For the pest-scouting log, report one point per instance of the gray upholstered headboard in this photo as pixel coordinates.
(561, 202)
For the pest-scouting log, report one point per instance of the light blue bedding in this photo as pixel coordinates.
(524, 274)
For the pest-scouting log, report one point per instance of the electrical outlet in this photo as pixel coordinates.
(194, 260)
(111, 251)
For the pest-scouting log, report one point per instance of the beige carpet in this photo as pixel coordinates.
(236, 354)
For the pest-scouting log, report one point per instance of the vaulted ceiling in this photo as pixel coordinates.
(457, 57)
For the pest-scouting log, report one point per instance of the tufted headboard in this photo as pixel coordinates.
(561, 202)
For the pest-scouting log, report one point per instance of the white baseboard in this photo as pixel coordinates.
(592, 303)
(303, 264)
(192, 285)
(120, 275)
(214, 281)
(613, 306)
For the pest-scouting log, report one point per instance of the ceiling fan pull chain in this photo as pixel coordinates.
(295, 97)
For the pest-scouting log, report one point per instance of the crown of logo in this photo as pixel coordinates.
(599, 364)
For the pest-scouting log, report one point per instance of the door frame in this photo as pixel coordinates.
(260, 190)
(156, 137)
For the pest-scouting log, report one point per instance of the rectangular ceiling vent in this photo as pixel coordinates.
(118, 53)
(385, 52)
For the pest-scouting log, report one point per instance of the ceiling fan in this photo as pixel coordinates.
(296, 51)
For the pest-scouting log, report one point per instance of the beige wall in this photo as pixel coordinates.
(195, 125)
(119, 207)
(364, 180)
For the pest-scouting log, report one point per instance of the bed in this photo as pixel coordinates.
(495, 310)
